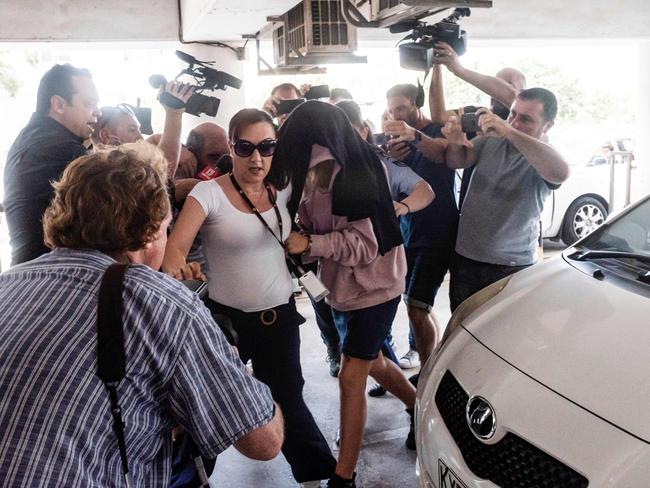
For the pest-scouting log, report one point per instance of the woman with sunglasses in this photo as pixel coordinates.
(243, 220)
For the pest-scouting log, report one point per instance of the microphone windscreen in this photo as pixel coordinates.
(156, 81)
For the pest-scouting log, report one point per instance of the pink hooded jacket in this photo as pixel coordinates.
(350, 264)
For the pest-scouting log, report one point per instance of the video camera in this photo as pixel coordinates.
(418, 55)
(206, 78)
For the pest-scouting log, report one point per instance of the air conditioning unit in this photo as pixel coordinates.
(314, 32)
(384, 13)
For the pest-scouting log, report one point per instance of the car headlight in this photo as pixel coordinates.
(463, 311)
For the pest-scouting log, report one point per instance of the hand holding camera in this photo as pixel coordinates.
(206, 78)
(453, 131)
(174, 95)
(399, 151)
(399, 137)
(443, 53)
(491, 124)
(399, 131)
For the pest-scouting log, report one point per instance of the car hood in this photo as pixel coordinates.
(586, 339)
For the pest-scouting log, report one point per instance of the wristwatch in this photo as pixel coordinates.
(418, 136)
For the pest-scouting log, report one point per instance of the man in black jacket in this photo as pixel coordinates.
(66, 112)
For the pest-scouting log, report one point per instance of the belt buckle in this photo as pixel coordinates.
(265, 313)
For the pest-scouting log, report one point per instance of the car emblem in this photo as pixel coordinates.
(481, 418)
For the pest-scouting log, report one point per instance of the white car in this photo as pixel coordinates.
(542, 379)
(578, 206)
(581, 203)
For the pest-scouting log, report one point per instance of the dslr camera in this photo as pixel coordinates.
(419, 55)
(469, 120)
(206, 78)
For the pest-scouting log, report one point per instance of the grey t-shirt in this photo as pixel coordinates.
(401, 179)
(499, 221)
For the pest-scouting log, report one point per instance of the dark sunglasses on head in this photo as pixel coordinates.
(244, 148)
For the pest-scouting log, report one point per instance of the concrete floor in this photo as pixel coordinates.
(384, 460)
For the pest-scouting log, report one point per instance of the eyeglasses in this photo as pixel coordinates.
(109, 113)
(244, 148)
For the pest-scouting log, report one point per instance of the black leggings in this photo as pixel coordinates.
(274, 350)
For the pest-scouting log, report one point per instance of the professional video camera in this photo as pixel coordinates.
(207, 78)
(419, 55)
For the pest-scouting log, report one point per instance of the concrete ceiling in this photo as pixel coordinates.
(227, 20)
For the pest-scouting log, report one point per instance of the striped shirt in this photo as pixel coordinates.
(55, 418)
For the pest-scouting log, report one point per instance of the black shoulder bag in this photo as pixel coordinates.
(111, 363)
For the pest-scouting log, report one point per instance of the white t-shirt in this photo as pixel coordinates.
(247, 268)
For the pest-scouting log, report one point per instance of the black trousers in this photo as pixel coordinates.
(468, 276)
(274, 349)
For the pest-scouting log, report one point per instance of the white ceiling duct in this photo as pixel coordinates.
(384, 13)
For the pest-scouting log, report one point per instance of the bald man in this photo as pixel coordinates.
(208, 142)
(512, 77)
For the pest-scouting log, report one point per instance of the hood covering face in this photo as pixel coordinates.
(360, 188)
(319, 154)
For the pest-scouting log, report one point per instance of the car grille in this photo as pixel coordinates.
(511, 462)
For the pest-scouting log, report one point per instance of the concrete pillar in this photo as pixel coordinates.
(641, 176)
(231, 99)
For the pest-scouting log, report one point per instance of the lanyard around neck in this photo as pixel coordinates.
(256, 211)
(291, 262)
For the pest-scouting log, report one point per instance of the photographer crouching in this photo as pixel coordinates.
(167, 362)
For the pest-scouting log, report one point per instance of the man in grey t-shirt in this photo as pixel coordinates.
(514, 172)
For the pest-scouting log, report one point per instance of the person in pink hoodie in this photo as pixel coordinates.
(347, 222)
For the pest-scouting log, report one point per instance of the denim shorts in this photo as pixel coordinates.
(426, 271)
(363, 331)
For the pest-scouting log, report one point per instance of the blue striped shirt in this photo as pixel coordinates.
(55, 421)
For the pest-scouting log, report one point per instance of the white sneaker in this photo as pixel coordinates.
(409, 360)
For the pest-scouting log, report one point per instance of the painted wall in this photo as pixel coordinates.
(88, 20)
(134, 20)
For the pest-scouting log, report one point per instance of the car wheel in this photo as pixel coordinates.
(581, 218)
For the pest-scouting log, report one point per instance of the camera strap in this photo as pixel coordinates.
(110, 350)
(111, 360)
(291, 262)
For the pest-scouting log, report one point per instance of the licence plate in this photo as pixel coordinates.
(447, 478)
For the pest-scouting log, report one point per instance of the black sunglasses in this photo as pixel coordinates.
(244, 148)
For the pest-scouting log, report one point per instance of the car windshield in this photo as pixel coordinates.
(629, 234)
